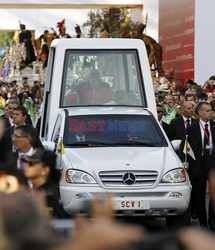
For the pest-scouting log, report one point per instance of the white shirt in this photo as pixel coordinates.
(11, 121)
(202, 127)
(20, 155)
(185, 121)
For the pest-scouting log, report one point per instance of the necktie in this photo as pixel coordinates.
(187, 122)
(20, 163)
(206, 141)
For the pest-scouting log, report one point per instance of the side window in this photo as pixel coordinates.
(47, 97)
(56, 131)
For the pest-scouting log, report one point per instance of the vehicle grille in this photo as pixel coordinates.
(117, 178)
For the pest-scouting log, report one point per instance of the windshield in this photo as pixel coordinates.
(102, 77)
(113, 130)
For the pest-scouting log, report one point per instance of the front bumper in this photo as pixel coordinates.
(164, 200)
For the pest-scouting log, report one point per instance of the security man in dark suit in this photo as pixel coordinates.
(22, 138)
(13, 103)
(201, 138)
(19, 118)
(164, 125)
(177, 130)
(178, 125)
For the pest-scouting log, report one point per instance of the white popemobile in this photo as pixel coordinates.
(99, 117)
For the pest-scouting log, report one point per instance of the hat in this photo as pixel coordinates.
(46, 157)
(25, 78)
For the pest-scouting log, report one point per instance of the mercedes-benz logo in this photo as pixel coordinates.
(129, 179)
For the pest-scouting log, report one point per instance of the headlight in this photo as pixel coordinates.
(174, 176)
(79, 177)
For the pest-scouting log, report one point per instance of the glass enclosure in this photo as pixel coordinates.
(102, 77)
(112, 130)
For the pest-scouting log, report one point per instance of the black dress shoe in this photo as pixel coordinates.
(211, 223)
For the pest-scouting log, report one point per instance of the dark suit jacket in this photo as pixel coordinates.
(12, 159)
(165, 127)
(3, 149)
(28, 120)
(8, 133)
(6, 121)
(177, 128)
(195, 141)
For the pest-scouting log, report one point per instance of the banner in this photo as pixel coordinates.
(176, 35)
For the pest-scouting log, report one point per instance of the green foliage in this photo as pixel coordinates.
(6, 37)
(113, 17)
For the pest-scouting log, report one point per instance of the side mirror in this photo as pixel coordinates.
(176, 144)
(49, 145)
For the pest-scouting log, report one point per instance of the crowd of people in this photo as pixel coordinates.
(186, 113)
(26, 166)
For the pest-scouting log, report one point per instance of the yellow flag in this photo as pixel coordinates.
(185, 146)
(16, 36)
(188, 150)
(62, 151)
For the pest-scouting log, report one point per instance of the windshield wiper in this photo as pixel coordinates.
(138, 143)
(90, 143)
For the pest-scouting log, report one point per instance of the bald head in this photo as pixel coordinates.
(187, 109)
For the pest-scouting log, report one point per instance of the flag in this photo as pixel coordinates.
(62, 151)
(6, 70)
(16, 36)
(188, 150)
(2, 51)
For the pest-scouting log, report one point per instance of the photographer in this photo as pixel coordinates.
(209, 86)
(171, 109)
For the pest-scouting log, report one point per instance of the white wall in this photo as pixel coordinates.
(71, 2)
(204, 40)
(37, 19)
(151, 7)
(40, 19)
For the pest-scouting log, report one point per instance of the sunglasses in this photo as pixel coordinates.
(160, 111)
(18, 136)
(31, 164)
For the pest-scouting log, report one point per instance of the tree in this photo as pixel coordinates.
(114, 17)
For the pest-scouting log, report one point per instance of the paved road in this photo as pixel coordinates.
(159, 224)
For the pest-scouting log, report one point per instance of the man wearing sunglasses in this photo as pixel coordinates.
(42, 172)
(164, 125)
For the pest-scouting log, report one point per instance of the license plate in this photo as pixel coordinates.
(131, 204)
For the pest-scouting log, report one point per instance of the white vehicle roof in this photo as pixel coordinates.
(107, 110)
(122, 64)
(99, 43)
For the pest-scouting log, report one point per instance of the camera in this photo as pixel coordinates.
(166, 101)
